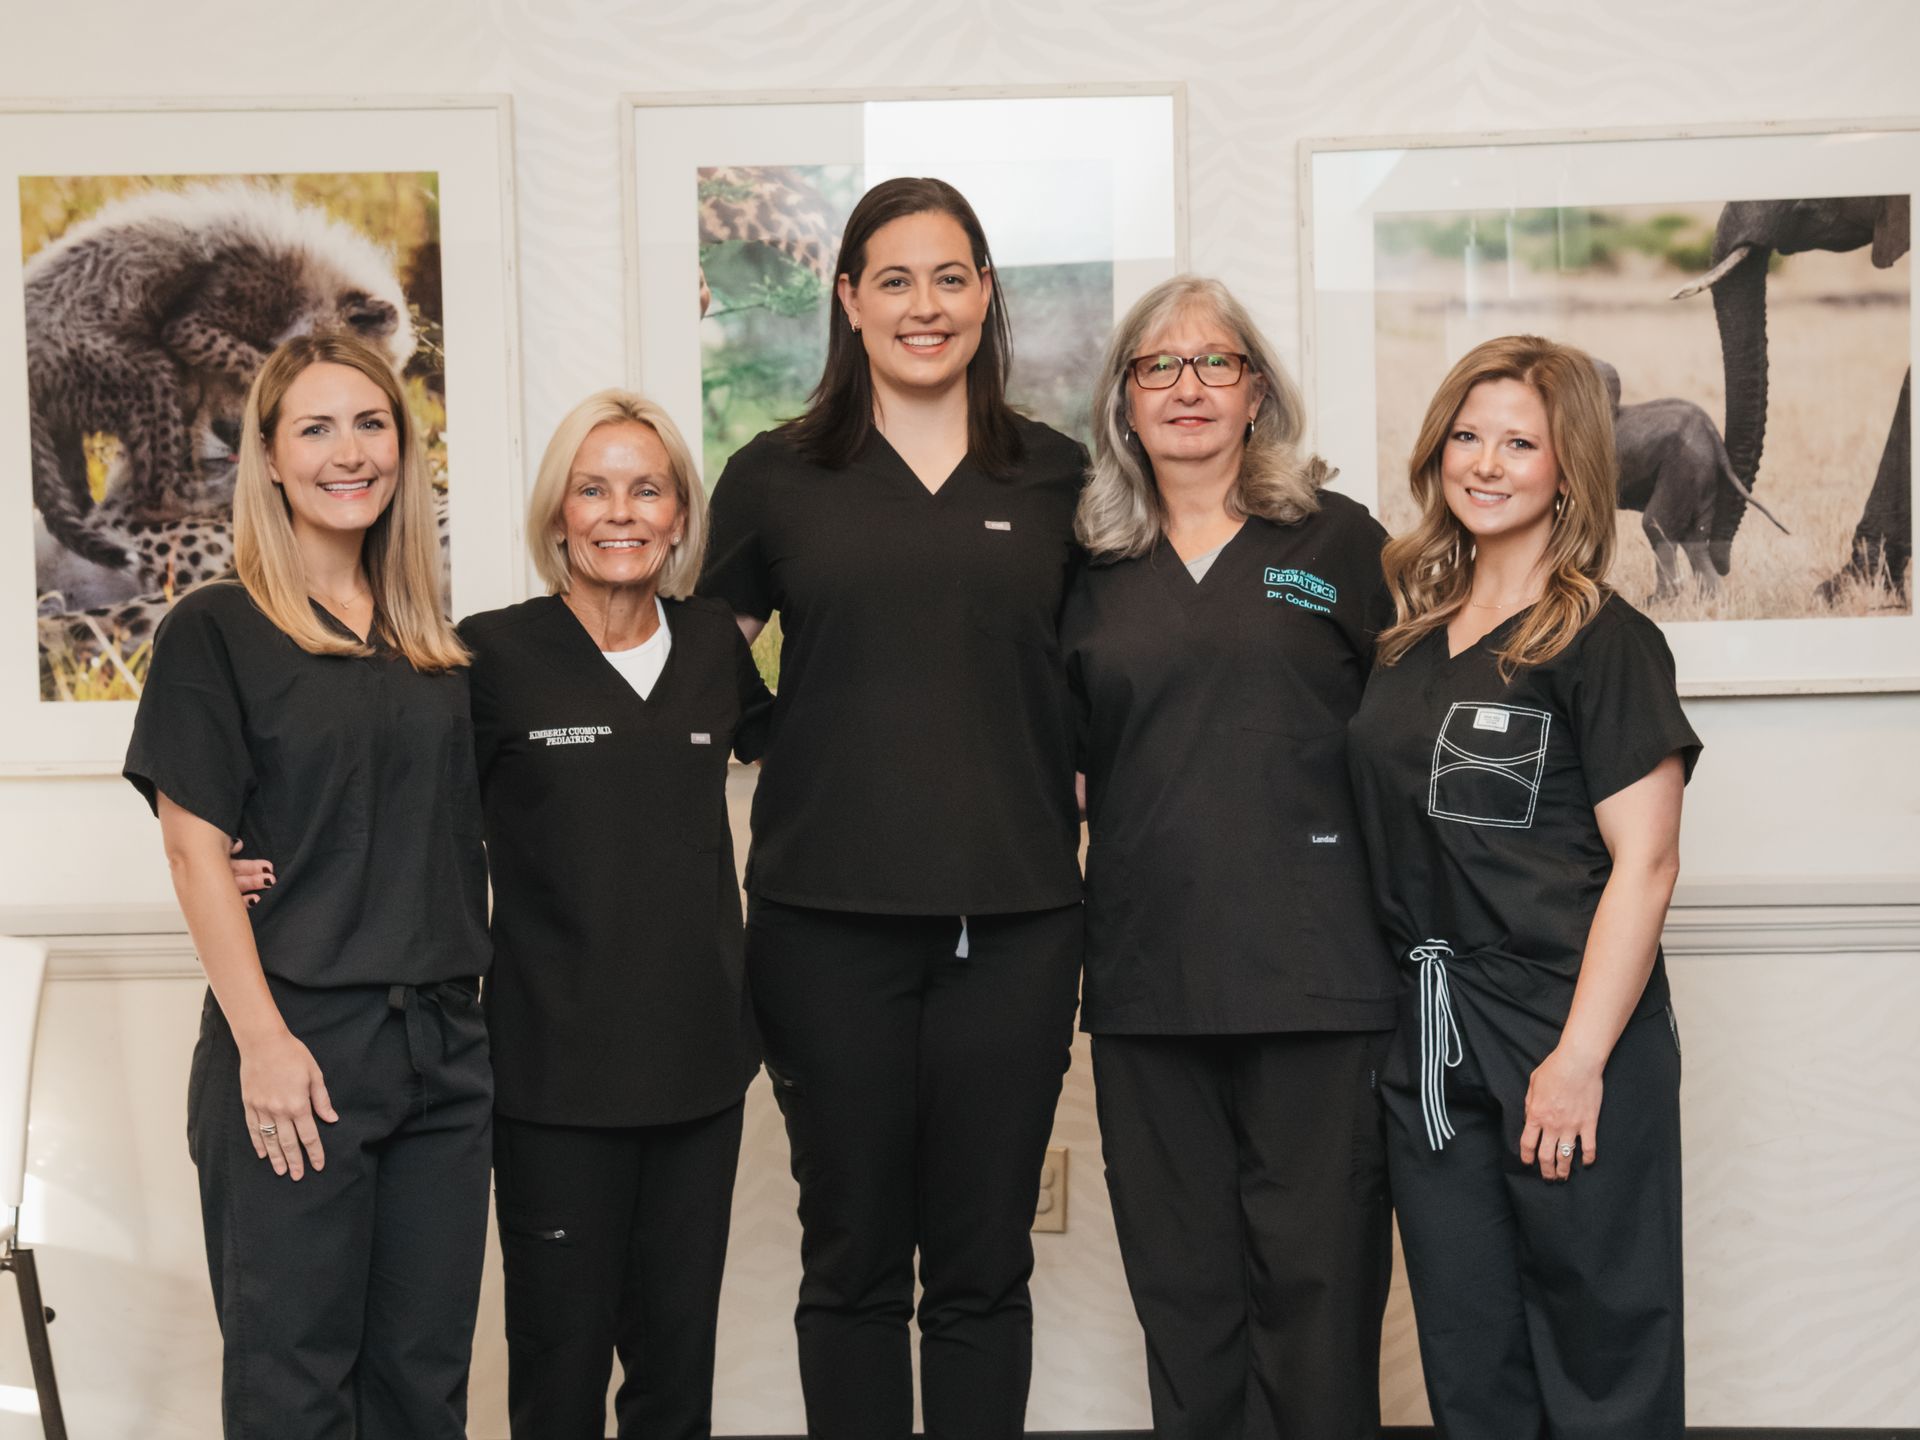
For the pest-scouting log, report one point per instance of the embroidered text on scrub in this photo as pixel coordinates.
(1439, 1038)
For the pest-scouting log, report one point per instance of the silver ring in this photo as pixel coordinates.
(269, 1130)
(1566, 1152)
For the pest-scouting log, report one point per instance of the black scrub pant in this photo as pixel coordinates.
(347, 1298)
(1545, 1308)
(1249, 1184)
(613, 1240)
(918, 1089)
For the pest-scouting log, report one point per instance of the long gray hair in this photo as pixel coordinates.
(1120, 514)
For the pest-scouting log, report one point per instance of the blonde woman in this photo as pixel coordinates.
(1237, 989)
(1519, 760)
(623, 1042)
(339, 1108)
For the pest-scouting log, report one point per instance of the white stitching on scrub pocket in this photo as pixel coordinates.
(1486, 771)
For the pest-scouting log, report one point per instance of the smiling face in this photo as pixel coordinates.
(919, 303)
(1497, 468)
(1189, 421)
(622, 514)
(335, 453)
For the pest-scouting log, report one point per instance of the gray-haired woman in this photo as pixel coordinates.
(1237, 988)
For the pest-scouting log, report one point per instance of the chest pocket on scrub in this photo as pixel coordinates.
(1488, 760)
(1013, 583)
(1279, 664)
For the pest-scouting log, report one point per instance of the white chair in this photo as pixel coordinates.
(23, 965)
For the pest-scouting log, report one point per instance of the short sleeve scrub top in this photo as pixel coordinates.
(355, 775)
(1541, 1307)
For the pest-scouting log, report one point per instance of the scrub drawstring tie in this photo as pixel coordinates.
(441, 993)
(1439, 1038)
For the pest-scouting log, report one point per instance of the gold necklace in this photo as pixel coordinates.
(333, 604)
(1500, 604)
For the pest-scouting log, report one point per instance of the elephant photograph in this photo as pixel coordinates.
(1758, 354)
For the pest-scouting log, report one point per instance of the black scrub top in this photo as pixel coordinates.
(1227, 888)
(921, 759)
(354, 774)
(1477, 798)
(617, 995)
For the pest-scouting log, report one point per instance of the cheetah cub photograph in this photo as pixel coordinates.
(151, 302)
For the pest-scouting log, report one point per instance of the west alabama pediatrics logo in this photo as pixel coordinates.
(1302, 588)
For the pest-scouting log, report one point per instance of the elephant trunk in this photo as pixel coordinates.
(1740, 307)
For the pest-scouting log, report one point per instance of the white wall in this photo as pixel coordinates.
(1825, 787)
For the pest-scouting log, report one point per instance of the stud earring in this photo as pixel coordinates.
(855, 324)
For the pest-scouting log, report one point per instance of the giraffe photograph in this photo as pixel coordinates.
(150, 303)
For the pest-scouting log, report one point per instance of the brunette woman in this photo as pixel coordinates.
(913, 926)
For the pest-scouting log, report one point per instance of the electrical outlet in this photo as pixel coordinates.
(1050, 1212)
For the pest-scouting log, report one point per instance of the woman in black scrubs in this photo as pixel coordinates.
(339, 1108)
(1519, 761)
(603, 716)
(913, 927)
(1238, 990)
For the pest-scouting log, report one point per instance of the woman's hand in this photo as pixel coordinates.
(282, 1091)
(249, 875)
(1563, 1106)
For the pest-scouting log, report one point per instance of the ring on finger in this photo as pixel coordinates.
(1566, 1150)
(269, 1130)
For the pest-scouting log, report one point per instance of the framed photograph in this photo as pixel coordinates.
(735, 204)
(166, 247)
(1749, 294)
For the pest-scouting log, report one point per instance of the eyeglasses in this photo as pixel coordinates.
(1162, 372)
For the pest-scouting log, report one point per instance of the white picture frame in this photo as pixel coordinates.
(467, 143)
(1131, 139)
(1352, 334)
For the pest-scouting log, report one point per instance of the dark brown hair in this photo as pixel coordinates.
(839, 417)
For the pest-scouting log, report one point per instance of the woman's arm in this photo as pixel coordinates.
(280, 1085)
(1641, 827)
(749, 627)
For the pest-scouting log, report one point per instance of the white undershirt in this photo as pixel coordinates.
(641, 666)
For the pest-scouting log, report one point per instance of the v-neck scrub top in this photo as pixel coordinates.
(921, 760)
(1477, 796)
(354, 774)
(617, 995)
(1227, 888)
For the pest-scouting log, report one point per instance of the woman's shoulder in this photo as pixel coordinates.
(1618, 639)
(1617, 619)
(218, 605)
(769, 451)
(1042, 445)
(700, 615)
(1342, 518)
(487, 632)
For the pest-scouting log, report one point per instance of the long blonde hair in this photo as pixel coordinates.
(1120, 513)
(401, 550)
(1430, 568)
(675, 578)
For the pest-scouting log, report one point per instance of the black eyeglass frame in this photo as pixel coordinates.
(1246, 364)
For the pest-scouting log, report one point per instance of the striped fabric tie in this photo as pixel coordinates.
(1439, 1038)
